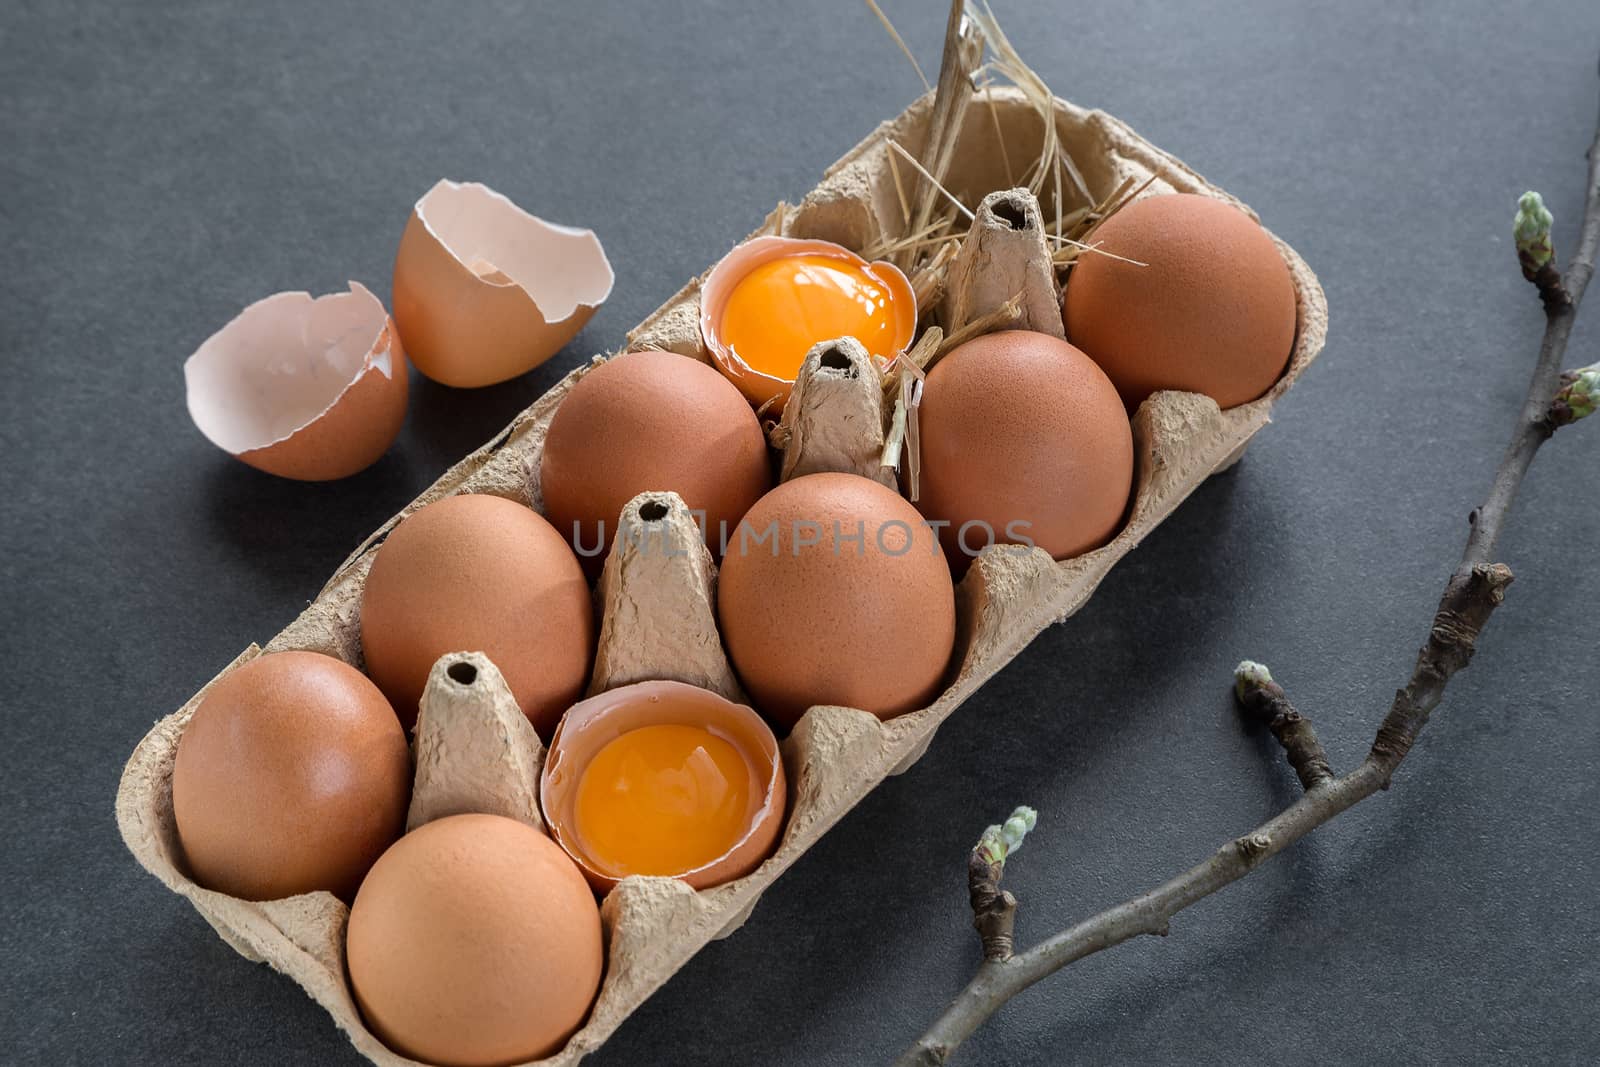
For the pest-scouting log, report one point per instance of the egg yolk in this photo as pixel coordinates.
(777, 312)
(662, 800)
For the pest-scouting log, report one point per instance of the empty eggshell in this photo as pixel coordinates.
(484, 291)
(305, 388)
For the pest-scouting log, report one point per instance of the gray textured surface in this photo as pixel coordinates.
(163, 166)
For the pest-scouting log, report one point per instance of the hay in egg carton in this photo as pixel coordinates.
(474, 751)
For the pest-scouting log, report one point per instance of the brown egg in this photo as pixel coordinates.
(478, 573)
(650, 420)
(834, 591)
(1024, 441)
(474, 941)
(292, 776)
(704, 803)
(1213, 310)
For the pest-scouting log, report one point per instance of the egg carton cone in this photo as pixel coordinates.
(473, 750)
(1005, 256)
(658, 609)
(834, 421)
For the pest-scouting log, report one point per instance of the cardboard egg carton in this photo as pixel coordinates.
(475, 752)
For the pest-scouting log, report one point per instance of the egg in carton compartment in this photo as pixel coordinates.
(474, 751)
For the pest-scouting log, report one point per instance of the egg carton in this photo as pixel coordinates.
(474, 750)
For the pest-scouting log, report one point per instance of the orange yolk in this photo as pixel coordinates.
(662, 800)
(783, 307)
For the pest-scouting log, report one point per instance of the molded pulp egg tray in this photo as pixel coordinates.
(474, 751)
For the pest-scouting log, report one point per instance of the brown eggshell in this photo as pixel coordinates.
(474, 942)
(651, 421)
(292, 776)
(1212, 311)
(764, 390)
(302, 388)
(1023, 439)
(484, 291)
(589, 726)
(868, 626)
(479, 573)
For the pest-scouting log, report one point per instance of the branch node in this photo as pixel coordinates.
(1470, 597)
(1253, 848)
(1490, 580)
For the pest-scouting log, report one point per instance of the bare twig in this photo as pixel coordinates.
(1474, 590)
(1265, 701)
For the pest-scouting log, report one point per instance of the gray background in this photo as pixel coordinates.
(165, 165)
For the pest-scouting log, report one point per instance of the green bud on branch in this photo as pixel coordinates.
(1577, 396)
(1250, 675)
(1532, 231)
(1000, 841)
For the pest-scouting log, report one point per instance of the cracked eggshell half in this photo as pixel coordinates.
(313, 389)
(484, 291)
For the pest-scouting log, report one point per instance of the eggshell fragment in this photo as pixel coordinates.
(835, 591)
(484, 291)
(1024, 440)
(590, 725)
(313, 389)
(474, 942)
(1212, 310)
(765, 389)
(292, 776)
(479, 573)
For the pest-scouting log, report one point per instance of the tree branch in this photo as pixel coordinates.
(1473, 591)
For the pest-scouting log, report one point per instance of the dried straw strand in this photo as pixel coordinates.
(878, 11)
